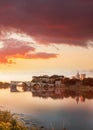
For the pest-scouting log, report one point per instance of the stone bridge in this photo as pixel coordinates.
(14, 86)
(24, 85)
(28, 85)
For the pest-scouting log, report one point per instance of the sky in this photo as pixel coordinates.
(45, 37)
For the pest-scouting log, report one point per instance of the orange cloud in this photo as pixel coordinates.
(41, 55)
(12, 49)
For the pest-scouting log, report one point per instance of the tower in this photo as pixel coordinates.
(78, 75)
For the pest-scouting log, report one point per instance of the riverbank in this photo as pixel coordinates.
(9, 121)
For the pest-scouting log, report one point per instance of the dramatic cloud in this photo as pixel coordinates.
(49, 21)
(11, 49)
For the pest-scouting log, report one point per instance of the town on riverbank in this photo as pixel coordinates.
(79, 82)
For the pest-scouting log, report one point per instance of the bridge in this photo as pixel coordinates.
(31, 86)
(24, 85)
(16, 85)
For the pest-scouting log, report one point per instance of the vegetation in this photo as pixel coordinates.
(4, 85)
(87, 82)
(9, 122)
(84, 82)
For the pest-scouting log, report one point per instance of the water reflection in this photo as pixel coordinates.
(59, 93)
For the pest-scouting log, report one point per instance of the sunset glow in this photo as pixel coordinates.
(53, 38)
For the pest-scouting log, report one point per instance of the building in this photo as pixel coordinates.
(78, 75)
(82, 76)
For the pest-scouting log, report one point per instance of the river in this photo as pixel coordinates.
(73, 113)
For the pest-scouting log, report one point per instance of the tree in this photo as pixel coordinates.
(87, 81)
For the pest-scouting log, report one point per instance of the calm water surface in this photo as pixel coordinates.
(58, 113)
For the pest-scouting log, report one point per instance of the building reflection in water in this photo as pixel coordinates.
(59, 93)
(80, 98)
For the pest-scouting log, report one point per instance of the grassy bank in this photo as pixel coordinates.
(9, 122)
